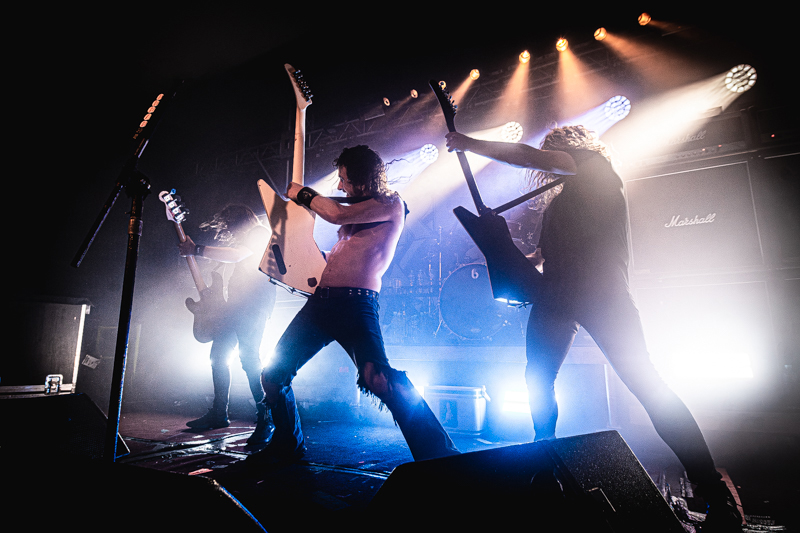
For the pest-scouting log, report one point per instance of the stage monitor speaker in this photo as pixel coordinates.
(96, 496)
(694, 221)
(54, 425)
(584, 483)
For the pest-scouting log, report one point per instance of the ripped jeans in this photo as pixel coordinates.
(350, 317)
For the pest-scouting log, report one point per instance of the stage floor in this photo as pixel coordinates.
(350, 457)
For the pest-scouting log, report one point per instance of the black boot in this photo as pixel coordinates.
(214, 418)
(287, 444)
(263, 428)
(723, 514)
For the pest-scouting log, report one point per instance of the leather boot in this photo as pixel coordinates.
(723, 514)
(214, 418)
(263, 428)
(287, 444)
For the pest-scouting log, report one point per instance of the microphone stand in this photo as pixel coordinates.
(137, 187)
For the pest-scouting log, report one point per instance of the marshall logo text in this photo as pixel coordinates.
(685, 139)
(676, 220)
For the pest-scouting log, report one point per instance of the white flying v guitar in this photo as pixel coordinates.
(292, 260)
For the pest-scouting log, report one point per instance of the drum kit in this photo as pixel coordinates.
(445, 295)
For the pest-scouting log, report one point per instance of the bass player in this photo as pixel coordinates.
(241, 239)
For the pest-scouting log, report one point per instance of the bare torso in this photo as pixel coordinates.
(364, 250)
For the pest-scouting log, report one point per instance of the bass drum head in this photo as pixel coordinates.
(467, 306)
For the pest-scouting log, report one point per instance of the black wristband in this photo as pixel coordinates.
(198, 249)
(305, 195)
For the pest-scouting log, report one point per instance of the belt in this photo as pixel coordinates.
(343, 292)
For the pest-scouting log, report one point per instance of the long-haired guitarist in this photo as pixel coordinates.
(584, 247)
(239, 239)
(344, 308)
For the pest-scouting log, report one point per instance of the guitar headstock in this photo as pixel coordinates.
(446, 102)
(301, 91)
(175, 211)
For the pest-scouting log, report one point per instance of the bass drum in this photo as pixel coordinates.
(466, 304)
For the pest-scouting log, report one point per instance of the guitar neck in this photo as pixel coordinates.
(298, 162)
(191, 261)
(449, 110)
(473, 187)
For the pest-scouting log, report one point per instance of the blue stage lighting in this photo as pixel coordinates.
(429, 153)
(617, 108)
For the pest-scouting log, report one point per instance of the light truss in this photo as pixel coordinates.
(487, 90)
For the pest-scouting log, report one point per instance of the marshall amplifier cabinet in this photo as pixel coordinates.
(694, 221)
(725, 134)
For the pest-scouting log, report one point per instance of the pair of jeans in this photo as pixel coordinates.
(350, 317)
(244, 327)
(605, 308)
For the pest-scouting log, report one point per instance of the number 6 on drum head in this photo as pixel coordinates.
(467, 306)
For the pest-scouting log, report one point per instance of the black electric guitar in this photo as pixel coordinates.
(292, 259)
(208, 310)
(513, 277)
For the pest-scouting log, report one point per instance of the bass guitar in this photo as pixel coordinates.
(292, 259)
(512, 276)
(208, 310)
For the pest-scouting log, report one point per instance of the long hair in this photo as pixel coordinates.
(366, 170)
(565, 138)
(230, 223)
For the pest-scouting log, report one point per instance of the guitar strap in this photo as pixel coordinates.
(525, 197)
(358, 199)
(349, 199)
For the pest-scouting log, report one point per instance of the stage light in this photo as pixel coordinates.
(428, 153)
(740, 78)
(386, 102)
(617, 108)
(511, 132)
(474, 74)
(524, 57)
(644, 19)
(600, 34)
(148, 115)
(562, 44)
(414, 93)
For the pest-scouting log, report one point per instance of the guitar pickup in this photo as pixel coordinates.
(276, 253)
